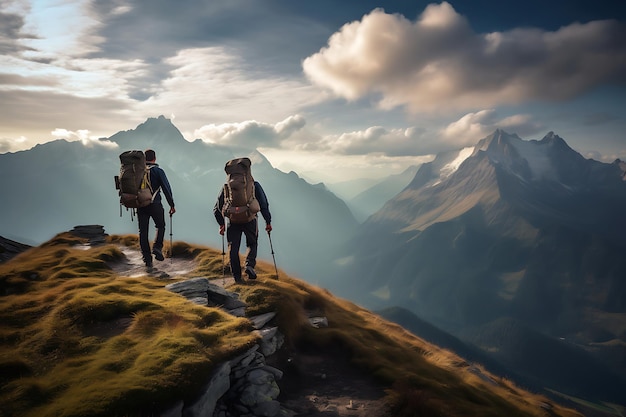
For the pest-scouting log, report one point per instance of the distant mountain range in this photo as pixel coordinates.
(507, 231)
(60, 184)
(372, 199)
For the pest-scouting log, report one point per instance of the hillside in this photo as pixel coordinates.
(82, 336)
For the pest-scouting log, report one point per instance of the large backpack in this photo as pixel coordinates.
(133, 182)
(240, 203)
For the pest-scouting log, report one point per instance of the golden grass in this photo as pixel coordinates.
(423, 379)
(55, 361)
(77, 340)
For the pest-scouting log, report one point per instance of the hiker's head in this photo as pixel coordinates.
(150, 155)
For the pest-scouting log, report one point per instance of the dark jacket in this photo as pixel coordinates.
(158, 182)
(260, 196)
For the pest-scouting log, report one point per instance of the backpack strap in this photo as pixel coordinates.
(227, 193)
(148, 183)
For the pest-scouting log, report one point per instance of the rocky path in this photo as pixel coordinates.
(133, 265)
(314, 384)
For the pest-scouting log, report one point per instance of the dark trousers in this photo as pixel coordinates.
(155, 212)
(233, 235)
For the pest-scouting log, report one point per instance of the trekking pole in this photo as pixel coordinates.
(223, 262)
(171, 245)
(273, 257)
(224, 252)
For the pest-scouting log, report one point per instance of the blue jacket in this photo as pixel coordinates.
(260, 196)
(158, 182)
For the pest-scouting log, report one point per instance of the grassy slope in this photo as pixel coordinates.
(76, 340)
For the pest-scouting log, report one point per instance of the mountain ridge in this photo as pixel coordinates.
(523, 229)
(123, 345)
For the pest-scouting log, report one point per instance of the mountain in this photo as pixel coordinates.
(84, 337)
(365, 196)
(60, 184)
(525, 230)
(349, 189)
(371, 200)
(9, 248)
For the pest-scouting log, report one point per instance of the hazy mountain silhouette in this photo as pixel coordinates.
(9, 248)
(528, 230)
(544, 360)
(372, 199)
(60, 184)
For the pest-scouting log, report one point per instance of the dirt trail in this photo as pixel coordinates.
(133, 266)
(314, 384)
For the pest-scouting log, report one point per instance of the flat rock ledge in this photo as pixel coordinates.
(94, 232)
(244, 386)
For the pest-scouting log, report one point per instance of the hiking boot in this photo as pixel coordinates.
(250, 272)
(150, 269)
(238, 280)
(158, 254)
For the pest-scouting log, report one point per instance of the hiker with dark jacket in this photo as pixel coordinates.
(249, 229)
(158, 183)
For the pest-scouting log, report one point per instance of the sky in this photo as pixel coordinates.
(334, 90)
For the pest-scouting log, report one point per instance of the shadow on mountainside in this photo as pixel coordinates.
(314, 383)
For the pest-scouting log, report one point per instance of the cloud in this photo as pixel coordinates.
(414, 140)
(214, 85)
(474, 126)
(84, 137)
(12, 31)
(372, 140)
(38, 31)
(41, 112)
(265, 33)
(21, 143)
(250, 134)
(13, 144)
(439, 63)
(333, 168)
(607, 158)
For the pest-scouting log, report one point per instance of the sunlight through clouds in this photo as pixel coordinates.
(61, 28)
(324, 166)
(84, 137)
(356, 80)
(214, 85)
(54, 56)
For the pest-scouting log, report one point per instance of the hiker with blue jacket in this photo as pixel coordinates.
(238, 203)
(154, 211)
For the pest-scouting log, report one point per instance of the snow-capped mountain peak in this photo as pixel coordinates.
(452, 166)
(530, 160)
(537, 159)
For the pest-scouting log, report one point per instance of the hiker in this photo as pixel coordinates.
(248, 225)
(154, 210)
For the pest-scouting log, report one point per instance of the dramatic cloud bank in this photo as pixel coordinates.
(384, 91)
(438, 62)
(250, 134)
